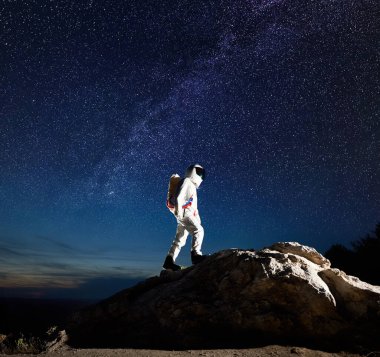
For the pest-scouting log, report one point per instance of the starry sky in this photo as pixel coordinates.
(101, 101)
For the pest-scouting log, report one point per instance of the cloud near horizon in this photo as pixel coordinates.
(47, 267)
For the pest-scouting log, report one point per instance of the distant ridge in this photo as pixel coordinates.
(36, 315)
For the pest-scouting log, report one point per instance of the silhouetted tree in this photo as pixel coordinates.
(362, 260)
(341, 257)
(367, 252)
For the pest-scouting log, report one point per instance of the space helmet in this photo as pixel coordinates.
(196, 173)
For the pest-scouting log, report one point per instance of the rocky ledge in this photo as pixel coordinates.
(287, 293)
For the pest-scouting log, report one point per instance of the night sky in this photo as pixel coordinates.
(101, 101)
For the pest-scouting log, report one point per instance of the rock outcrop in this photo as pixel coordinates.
(287, 293)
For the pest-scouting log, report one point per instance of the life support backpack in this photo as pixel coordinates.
(175, 184)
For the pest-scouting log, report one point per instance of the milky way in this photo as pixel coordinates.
(102, 101)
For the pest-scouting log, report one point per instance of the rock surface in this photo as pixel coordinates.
(287, 293)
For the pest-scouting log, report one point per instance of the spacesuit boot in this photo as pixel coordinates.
(169, 264)
(197, 258)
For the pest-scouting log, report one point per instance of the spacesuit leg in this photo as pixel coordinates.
(179, 241)
(193, 225)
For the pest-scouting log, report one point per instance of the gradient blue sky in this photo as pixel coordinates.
(102, 101)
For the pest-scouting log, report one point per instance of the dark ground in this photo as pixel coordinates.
(36, 316)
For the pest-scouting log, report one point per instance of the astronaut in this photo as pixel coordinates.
(188, 219)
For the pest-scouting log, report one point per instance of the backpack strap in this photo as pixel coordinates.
(179, 187)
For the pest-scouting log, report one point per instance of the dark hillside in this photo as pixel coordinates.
(35, 315)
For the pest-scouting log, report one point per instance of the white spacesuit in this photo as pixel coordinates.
(188, 219)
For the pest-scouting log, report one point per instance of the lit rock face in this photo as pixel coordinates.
(287, 293)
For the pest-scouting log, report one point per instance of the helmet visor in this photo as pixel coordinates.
(200, 172)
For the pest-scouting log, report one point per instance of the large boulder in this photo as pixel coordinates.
(287, 293)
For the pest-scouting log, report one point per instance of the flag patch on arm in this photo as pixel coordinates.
(188, 203)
